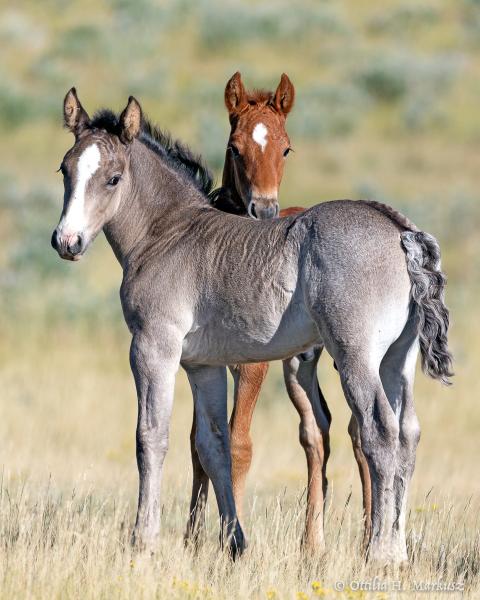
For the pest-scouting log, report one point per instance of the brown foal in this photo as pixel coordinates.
(253, 170)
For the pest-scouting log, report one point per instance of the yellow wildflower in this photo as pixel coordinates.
(318, 589)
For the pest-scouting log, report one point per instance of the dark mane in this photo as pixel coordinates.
(174, 152)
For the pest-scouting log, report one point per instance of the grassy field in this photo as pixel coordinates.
(387, 108)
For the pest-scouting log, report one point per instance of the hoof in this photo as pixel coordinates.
(194, 537)
(141, 543)
(387, 561)
(237, 544)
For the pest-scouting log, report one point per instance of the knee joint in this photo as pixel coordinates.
(380, 438)
(203, 449)
(241, 449)
(152, 438)
(410, 433)
(208, 441)
(309, 437)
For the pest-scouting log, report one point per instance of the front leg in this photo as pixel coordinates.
(196, 525)
(213, 446)
(248, 382)
(154, 367)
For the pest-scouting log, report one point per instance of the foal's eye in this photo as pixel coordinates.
(114, 180)
(234, 150)
(285, 152)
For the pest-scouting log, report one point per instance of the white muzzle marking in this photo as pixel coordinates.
(259, 135)
(88, 163)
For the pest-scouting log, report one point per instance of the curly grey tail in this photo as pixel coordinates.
(428, 290)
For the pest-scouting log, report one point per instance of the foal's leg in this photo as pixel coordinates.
(213, 446)
(354, 432)
(398, 372)
(248, 382)
(379, 435)
(409, 438)
(304, 391)
(154, 369)
(196, 521)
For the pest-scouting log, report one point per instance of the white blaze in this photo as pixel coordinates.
(88, 163)
(259, 135)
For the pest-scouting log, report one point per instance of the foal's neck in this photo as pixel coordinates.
(228, 199)
(158, 200)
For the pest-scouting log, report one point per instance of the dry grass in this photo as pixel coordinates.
(76, 545)
(67, 493)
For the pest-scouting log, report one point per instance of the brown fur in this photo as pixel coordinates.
(364, 478)
(252, 175)
(248, 382)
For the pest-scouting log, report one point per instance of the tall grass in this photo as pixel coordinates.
(76, 545)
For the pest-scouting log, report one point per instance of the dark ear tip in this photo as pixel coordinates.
(235, 77)
(71, 92)
(133, 100)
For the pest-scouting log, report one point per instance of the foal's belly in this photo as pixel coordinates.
(239, 338)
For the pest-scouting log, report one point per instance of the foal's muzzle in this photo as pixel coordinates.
(263, 209)
(69, 247)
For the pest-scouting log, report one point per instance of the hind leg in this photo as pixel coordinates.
(354, 432)
(305, 394)
(379, 436)
(248, 381)
(397, 372)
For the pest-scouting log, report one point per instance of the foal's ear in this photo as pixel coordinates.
(75, 117)
(235, 94)
(130, 121)
(284, 95)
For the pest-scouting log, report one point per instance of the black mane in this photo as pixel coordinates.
(174, 152)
